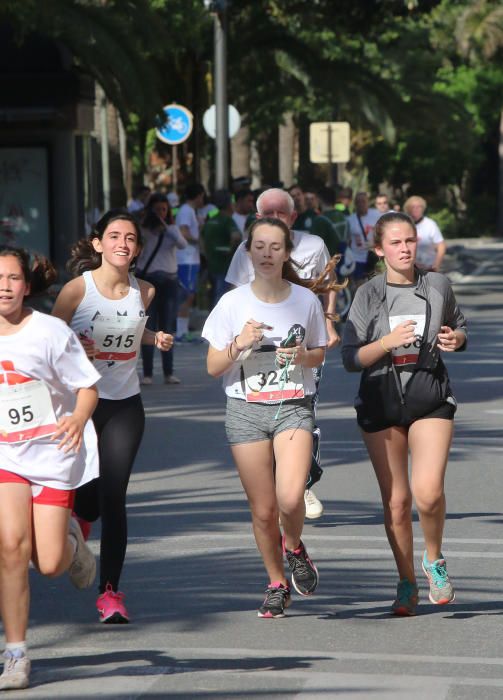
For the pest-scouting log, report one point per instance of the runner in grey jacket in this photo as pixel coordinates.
(399, 324)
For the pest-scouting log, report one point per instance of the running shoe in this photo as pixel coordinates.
(16, 671)
(407, 598)
(172, 379)
(314, 507)
(277, 598)
(441, 590)
(146, 381)
(111, 608)
(82, 570)
(304, 573)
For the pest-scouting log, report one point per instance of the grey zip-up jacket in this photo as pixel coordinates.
(380, 394)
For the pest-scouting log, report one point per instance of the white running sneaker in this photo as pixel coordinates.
(16, 672)
(146, 381)
(314, 507)
(82, 570)
(172, 379)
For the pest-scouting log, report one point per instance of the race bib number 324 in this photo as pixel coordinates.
(265, 383)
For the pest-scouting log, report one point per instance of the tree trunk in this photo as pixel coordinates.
(499, 229)
(286, 150)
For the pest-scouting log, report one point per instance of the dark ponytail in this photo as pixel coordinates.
(83, 256)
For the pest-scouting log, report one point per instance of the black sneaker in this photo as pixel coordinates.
(277, 598)
(304, 573)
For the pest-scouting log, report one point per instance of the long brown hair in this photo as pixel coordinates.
(83, 257)
(324, 283)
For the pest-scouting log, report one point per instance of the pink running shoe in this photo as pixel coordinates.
(111, 607)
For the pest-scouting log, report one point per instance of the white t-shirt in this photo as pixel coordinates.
(240, 220)
(309, 252)
(359, 242)
(42, 366)
(300, 313)
(187, 217)
(119, 323)
(428, 236)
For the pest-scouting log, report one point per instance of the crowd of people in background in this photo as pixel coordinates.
(214, 226)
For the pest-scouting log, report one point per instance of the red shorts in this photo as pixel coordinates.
(43, 495)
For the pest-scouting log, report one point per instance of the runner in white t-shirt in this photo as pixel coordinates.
(106, 306)
(47, 449)
(265, 337)
(361, 228)
(310, 255)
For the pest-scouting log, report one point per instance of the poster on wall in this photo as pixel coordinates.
(24, 198)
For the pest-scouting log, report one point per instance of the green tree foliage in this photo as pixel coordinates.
(419, 80)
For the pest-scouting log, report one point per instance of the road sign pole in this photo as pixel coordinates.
(329, 151)
(222, 116)
(174, 168)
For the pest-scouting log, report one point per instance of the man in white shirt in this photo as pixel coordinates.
(361, 227)
(311, 254)
(189, 258)
(431, 246)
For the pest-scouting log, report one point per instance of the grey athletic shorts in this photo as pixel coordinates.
(251, 422)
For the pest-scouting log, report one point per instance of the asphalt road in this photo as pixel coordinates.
(193, 579)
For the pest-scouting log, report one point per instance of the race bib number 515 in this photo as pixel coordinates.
(26, 412)
(118, 337)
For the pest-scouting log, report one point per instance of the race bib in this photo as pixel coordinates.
(420, 320)
(26, 412)
(118, 337)
(266, 384)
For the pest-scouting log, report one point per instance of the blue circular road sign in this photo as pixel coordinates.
(178, 125)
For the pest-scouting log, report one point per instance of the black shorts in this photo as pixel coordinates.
(445, 410)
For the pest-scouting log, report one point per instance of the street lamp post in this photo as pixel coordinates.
(219, 10)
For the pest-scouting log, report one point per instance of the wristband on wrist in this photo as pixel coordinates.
(384, 346)
(236, 343)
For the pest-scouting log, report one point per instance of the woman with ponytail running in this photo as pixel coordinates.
(400, 324)
(47, 449)
(106, 305)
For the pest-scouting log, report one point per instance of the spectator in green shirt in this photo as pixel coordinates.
(220, 237)
(331, 225)
(305, 215)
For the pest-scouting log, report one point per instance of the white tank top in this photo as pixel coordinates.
(116, 327)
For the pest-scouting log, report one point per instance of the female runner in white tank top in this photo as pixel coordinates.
(106, 305)
(47, 449)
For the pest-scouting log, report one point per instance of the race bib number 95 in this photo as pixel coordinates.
(118, 337)
(264, 383)
(26, 412)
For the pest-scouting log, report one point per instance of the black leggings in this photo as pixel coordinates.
(119, 425)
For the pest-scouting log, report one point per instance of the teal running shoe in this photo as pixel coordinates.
(441, 590)
(407, 597)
